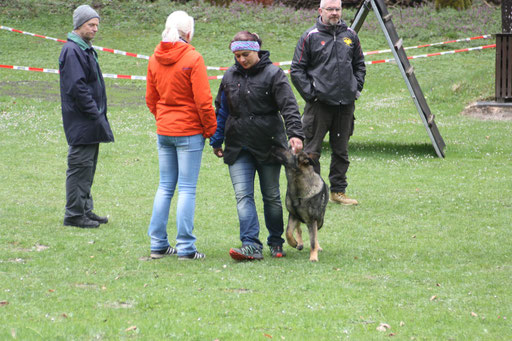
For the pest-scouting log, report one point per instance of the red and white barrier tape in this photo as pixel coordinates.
(434, 54)
(99, 48)
(487, 36)
(109, 75)
(223, 68)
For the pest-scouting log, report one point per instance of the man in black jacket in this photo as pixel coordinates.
(84, 115)
(328, 70)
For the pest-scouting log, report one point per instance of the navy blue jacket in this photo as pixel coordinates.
(83, 95)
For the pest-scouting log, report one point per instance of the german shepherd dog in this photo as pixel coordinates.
(306, 198)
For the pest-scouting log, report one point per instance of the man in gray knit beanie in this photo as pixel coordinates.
(83, 14)
(84, 116)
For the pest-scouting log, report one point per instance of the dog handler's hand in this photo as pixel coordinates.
(218, 152)
(296, 144)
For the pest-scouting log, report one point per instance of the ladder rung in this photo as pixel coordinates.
(430, 120)
(409, 71)
(399, 44)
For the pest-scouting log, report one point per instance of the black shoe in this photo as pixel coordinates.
(195, 255)
(246, 252)
(81, 221)
(276, 251)
(170, 251)
(95, 217)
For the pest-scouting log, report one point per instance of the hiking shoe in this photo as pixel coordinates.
(276, 251)
(93, 216)
(195, 255)
(170, 251)
(246, 252)
(81, 221)
(341, 198)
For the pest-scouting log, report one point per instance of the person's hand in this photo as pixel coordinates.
(295, 144)
(218, 152)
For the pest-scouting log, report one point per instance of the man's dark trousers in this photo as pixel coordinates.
(82, 160)
(338, 120)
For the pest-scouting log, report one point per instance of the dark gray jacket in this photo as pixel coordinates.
(83, 95)
(251, 105)
(328, 64)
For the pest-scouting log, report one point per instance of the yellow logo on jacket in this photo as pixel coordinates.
(347, 41)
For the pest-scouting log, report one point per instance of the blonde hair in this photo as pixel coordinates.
(178, 24)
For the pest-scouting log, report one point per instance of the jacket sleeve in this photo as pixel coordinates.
(75, 82)
(298, 70)
(358, 64)
(203, 97)
(222, 110)
(285, 99)
(152, 96)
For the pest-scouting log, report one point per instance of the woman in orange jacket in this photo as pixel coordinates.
(178, 95)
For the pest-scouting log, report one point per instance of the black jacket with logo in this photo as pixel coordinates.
(328, 64)
(251, 105)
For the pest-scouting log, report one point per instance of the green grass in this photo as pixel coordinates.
(427, 251)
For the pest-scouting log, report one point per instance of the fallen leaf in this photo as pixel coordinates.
(402, 323)
(51, 290)
(433, 298)
(129, 329)
(268, 336)
(3, 303)
(64, 315)
(13, 333)
(438, 285)
(474, 314)
(383, 327)
(392, 334)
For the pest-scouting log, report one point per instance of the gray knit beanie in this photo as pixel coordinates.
(83, 14)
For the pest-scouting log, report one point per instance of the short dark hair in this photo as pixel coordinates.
(246, 36)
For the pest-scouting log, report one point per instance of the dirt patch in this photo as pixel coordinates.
(488, 112)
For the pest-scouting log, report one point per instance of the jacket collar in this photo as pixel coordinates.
(339, 27)
(79, 41)
(264, 61)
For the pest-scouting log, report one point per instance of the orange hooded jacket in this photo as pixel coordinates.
(178, 92)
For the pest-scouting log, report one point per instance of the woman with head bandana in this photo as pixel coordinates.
(256, 110)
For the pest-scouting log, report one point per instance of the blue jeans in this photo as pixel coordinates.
(242, 174)
(179, 160)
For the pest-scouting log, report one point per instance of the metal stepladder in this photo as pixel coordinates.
(396, 45)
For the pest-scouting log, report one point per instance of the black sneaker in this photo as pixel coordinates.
(93, 216)
(165, 252)
(246, 252)
(81, 221)
(276, 251)
(195, 255)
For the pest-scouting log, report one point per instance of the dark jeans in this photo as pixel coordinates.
(242, 174)
(82, 162)
(318, 119)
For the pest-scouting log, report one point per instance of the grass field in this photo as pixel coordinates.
(426, 253)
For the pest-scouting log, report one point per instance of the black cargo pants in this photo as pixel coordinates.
(318, 120)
